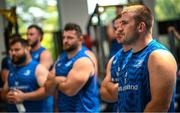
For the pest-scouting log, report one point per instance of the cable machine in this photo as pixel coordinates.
(98, 35)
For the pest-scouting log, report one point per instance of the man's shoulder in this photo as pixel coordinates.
(45, 53)
(40, 68)
(160, 53)
(83, 61)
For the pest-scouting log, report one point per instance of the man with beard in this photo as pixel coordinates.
(75, 72)
(25, 80)
(6, 62)
(114, 45)
(109, 86)
(5, 67)
(38, 53)
(147, 82)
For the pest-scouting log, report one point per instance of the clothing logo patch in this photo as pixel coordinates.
(138, 64)
(27, 72)
(36, 56)
(68, 64)
(16, 83)
(59, 64)
(11, 74)
(114, 62)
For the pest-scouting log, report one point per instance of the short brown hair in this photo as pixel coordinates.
(141, 14)
(73, 26)
(23, 42)
(39, 29)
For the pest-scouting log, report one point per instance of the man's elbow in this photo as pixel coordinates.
(163, 104)
(166, 107)
(104, 96)
(70, 92)
(157, 106)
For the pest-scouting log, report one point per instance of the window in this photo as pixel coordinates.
(41, 12)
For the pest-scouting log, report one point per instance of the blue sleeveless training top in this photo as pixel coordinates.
(48, 106)
(119, 60)
(134, 86)
(36, 54)
(87, 99)
(24, 79)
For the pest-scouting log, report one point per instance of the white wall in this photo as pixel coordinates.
(74, 11)
(2, 45)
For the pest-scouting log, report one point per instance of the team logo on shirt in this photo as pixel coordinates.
(36, 56)
(16, 83)
(114, 62)
(68, 63)
(138, 64)
(11, 74)
(27, 72)
(59, 64)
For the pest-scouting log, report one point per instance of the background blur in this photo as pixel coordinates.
(92, 15)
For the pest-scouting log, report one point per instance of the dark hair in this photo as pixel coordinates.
(15, 36)
(117, 17)
(23, 42)
(37, 28)
(73, 26)
(12, 37)
(113, 22)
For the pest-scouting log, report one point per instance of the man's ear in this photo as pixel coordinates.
(81, 38)
(141, 26)
(27, 49)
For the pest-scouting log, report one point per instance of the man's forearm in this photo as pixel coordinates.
(35, 95)
(160, 106)
(51, 86)
(66, 87)
(55, 104)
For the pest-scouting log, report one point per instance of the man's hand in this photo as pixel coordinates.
(171, 29)
(15, 96)
(10, 96)
(50, 84)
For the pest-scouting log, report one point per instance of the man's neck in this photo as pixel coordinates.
(36, 47)
(126, 48)
(73, 53)
(141, 43)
